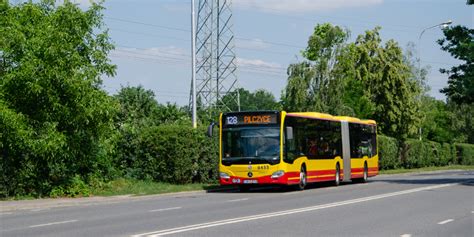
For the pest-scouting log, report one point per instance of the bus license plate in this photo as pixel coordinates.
(250, 181)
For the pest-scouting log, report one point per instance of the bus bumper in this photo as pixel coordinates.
(286, 179)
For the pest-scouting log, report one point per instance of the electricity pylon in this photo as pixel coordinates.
(215, 57)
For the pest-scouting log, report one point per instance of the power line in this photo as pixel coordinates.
(148, 24)
(183, 62)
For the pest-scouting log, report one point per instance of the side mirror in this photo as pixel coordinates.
(289, 133)
(210, 129)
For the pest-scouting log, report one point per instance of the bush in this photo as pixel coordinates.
(413, 154)
(388, 153)
(171, 153)
(446, 154)
(465, 154)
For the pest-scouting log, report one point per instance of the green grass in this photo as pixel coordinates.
(140, 187)
(425, 169)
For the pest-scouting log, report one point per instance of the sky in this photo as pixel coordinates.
(153, 38)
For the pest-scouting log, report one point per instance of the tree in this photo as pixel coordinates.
(253, 101)
(438, 122)
(316, 84)
(56, 118)
(389, 83)
(459, 42)
(364, 79)
(137, 105)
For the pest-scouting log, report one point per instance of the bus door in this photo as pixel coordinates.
(346, 150)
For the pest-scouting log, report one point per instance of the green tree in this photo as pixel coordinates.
(139, 112)
(137, 105)
(459, 42)
(389, 82)
(462, 122)
(55, 119)
(438, 123)
(252, 101)
(317, 83)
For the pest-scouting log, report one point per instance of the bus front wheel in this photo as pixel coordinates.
(303, 179)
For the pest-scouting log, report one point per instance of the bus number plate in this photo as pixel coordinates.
(250, 181)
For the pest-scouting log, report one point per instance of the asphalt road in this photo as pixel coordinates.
(428, 204)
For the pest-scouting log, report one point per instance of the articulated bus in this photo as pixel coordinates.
(280, 148)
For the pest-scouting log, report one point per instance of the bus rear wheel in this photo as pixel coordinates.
(366, 174)
(337, 178)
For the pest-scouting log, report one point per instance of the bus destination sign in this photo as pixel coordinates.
(250, 119)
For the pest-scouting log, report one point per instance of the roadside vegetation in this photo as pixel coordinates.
(62, 135)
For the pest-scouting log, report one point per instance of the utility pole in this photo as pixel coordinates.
(193, 58)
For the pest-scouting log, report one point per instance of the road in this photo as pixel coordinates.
(426, 204)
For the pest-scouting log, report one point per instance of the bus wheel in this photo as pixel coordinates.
(337, 178)
(303, 179)
(366, 174)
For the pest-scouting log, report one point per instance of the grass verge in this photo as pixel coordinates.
(425, 169)
(140, 187)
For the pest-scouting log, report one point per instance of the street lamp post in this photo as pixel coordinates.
(442, 25)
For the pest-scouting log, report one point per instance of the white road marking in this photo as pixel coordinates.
(39, 209)
(52, 223)
(405, 235)
(445, 221)
(165, 209)
(287, 212)
(9, 213)
(472, 212)
(238, 200)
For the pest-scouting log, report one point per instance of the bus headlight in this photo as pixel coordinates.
(224, 175)
(278, 174)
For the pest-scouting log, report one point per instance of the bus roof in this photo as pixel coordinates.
(313, 115)
(330, 117)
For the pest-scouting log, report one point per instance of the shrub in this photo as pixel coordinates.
(388, 153)
(413, 154)
(172, 153)
(465, 154)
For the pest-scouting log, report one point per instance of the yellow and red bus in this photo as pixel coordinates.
(280, 148)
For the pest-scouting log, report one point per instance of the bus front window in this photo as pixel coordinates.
(258, 145)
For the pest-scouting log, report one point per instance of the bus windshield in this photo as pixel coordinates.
(258, 145)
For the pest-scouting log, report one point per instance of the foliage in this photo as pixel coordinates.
(463, 122)
(364, 79)
(139, 112)
(389, 157)
(388, 80)
(173, 154)
(419, 74)
(418, 154)
(138, 107)
(465, 154)
(316, 84)
(252, 101)
(436, 125)
(459, 42)
(53, 56)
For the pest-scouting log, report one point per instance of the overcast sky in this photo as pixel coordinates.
(152, 38)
